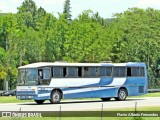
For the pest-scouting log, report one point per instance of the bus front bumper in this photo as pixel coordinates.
(25, 95)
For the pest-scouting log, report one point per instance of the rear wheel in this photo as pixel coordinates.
(122, 95)
(39, 101)
(55, 97)
(106, 99)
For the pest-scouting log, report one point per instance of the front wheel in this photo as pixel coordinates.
(55, 97)
(122, 95)
(39, 101)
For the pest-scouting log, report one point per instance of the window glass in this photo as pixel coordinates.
(122, 71)
(141, 71)
(105, 71)
(116, 71)
(72, 71)
(57, 72)
(119, 71)
(108, 71)
(46, 73)
(102, 71)
(40, 74)
(134, 71)
(93, 71)
(27, 76)
(86, 72)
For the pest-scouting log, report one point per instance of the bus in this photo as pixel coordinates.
(54, 81)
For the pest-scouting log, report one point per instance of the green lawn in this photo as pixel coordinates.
(12, 99)
(98, 118)
(155, 94)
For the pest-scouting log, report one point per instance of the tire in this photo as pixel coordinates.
(106, 99)
(39, 101)
(55, 97)
(122, 95)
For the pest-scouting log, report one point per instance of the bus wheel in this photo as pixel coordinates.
(55, 97)
(106, 99)
(122, 94)
(39, 101)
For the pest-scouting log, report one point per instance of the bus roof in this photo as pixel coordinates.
(47, 64)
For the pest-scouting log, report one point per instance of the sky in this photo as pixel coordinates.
(105, 8)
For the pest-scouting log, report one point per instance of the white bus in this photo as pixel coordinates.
(55, 81)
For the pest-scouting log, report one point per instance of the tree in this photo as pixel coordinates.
(41, 12)
(67, 10)
(27, 6)
(56, 39)
(28, 11)
(86, 40)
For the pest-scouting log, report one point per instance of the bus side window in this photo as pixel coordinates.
(46, 74)
(72, 72)
(119, 71)
(109, 71)
(134, 71)
(141, 72)
(128, 72)
(40, 74)
(102, 71)
(64, 72)
(57, 72)
(79, 71)
(93, 71)
(86, 72)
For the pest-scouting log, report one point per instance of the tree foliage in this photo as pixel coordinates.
(67, 10)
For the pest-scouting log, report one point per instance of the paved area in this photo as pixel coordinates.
(81, 105)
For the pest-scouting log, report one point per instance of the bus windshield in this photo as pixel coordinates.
(27, 76)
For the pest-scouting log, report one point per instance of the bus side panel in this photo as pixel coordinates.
(101, 92)
(135, 86)
(105, 93)
(132, 86)
(106, 87)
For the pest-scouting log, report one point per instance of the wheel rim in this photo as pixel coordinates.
(122, 94)
(56, 97)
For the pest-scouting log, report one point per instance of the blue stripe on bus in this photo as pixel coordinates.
(93, 94)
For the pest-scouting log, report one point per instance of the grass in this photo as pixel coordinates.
(87, 118)
(13, 99)
(154, 94)
(98, 118)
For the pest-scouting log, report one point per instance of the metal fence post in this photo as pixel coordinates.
(101, 111)
(60, 112)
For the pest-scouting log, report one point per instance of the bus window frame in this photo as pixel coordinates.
(119, 71)
(42, 81)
